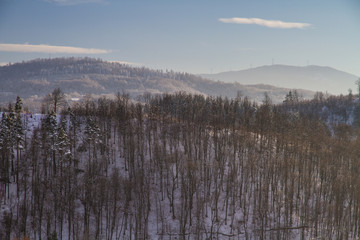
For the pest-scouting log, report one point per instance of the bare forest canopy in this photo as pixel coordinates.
(77, 77)
(182, 166)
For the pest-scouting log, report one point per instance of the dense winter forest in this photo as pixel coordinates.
(182, 166)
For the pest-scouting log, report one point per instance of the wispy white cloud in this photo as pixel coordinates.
(74, 2)
(42, 48)
(266, 23)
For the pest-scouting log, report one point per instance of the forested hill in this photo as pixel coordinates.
(78, 76)
(315, 78)
(182, 166)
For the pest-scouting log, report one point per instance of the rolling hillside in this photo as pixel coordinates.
(315, 78)
(34, 79)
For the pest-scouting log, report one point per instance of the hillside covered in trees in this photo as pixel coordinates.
(182, 166)
(32, 80)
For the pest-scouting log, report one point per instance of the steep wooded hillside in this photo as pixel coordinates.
(179, 167)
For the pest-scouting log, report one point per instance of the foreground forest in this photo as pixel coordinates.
(182, 166)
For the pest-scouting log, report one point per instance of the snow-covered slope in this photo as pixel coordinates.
(180, 167)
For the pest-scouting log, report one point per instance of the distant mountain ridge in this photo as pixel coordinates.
(79, 76)
(315, 78)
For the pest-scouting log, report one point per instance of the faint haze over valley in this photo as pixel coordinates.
(314, 78)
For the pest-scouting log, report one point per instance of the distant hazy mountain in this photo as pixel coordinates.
(315, 78)
(76, 77)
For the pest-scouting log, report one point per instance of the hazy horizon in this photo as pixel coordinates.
(187, 36)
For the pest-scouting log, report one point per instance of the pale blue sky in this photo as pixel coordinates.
(185, 35)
